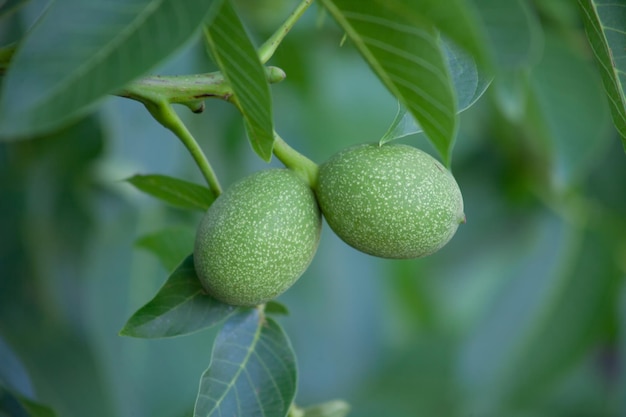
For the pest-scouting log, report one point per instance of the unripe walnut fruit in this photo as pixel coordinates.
(257, 238)
(391, 201)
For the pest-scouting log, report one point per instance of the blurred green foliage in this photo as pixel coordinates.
(522, 314)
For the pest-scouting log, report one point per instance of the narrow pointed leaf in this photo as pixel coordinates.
(574, 318)
(252, 371)
(80, 51)
(238, 60)
(408, 59)
(515, 37)
(274, 307)
(577, 143)
(403, 125)
(605, 24)
(171, 246)
(470, 83)
(559, 314)
(180, 307)
(513, 32)
(177, 192)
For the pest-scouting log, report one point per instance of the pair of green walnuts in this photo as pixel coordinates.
(391, 201)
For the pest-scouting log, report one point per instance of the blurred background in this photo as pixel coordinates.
(523, 313)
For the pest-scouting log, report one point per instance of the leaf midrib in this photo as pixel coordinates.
(231, 383)
(599, 30)
(353, 34)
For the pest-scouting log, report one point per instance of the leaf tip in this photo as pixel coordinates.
(124, 331)
(274, 307)
(129, 329)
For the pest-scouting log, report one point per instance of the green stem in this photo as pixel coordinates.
(269, 47)
(163, 112)
(158, 93)
(295, 161)
(189, 90)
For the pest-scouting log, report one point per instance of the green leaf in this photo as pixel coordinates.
(408, 59)
(577, 142)
(515, 37)
(574, 318)
(170, 245)
(274, 307)
(513, 32)
(177, 192)
(336, 408)
(180, 307)
(470, 83)
(605, 25)
(252, 371)
(80, 51)
(559, 292)
(238, 60)
(455, 19)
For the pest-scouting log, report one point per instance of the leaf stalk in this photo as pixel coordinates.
(163, 112)
(188, 90)
(266, 51)
(294, 160)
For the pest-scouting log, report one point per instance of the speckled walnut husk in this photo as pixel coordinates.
(391, 201)
(257, 238)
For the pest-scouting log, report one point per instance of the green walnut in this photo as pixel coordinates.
(257, 238)
(391, 201)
